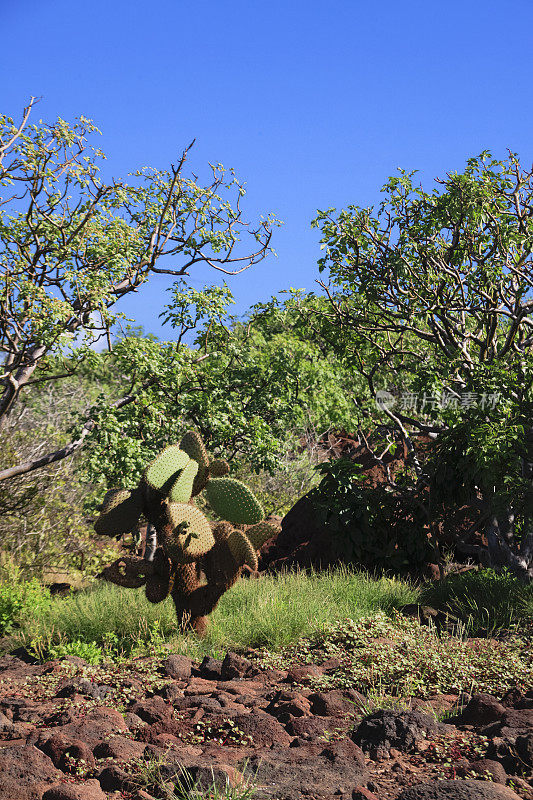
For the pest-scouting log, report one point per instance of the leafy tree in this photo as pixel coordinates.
(71, 246)
(252, 387)
(431, 295)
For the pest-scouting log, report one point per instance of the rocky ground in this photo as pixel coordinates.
(72, 731)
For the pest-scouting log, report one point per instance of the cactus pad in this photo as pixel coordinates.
(242, 550)
(261, 533)
(233, 501)
(222, 530)
(157, 588)
(120, 513)
(188, 533)
(193, 445)
(182, 488)
(129, 571)
(218, 468)
(165, 466)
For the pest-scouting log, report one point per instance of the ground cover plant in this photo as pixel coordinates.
(337, 613)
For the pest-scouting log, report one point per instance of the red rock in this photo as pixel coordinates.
(152, 710)
(458, 790)
(25, 773)
(344, 750)
(482, 710)
(113, 778)
(177, 666)
(264, 729)
(120, 748)
(312, 728)
(94, 727)
(88, 790)
(302, 673)
(199, 686)
(62, 749)
(330, 704)
(360, 793)
(522, 719)
(234, 666)
(494, 768)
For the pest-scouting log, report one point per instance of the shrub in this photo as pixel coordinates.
(18, 597)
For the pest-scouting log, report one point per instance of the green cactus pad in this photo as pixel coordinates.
(165, 466)
(218, 468)
(182, 488)
(261, 533)
(112, 499)
(242, 550)
(190, 533)
(233, 501)
(193, 445)
(121, 510)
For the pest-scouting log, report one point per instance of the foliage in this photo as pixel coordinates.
(432, 294)
(486, 600)
(249, 387)
(71, 246)
(269, 613)
(365, 523)
(18, 597)
(43, 521)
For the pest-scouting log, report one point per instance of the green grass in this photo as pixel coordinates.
(488, 603)
(271, 612)
(282, 614)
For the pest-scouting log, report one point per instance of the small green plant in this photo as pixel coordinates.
(17, 597)
(89, 651)
(153, 775)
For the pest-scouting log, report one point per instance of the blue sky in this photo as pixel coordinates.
(313, 104)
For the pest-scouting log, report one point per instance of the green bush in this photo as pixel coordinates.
(18, 597)
(370, 527)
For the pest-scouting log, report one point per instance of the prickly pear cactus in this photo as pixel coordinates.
(189, 545)
(233, 501)
(193, 445)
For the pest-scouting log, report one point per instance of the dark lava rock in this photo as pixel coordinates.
(458, 790)
(234, 667)
(210, 669)
(378, 732)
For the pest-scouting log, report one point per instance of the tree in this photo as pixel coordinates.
(432, 295)
(249, 386)
(71, 246)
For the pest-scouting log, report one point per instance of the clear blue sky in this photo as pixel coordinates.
(313, 104)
